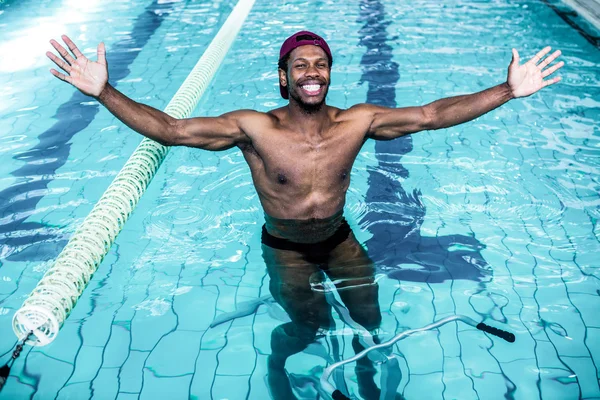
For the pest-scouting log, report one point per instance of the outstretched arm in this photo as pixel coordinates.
(91, 78)
(523, 80)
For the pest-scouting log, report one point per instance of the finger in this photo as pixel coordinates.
(72, 46)
(515, 57)
(101, 53)
(549, 59)
(60, 63)
(552, 69)
(60, 76)
(62, 51)
(552, 81)
(536, 59)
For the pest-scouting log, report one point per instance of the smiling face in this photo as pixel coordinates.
(307, 77)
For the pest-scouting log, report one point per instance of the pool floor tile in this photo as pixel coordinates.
(175, 354)
(130, 375)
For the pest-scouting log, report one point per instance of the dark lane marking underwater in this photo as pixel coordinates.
(396, 232)
(32, 240)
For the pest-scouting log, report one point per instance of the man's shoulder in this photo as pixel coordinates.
(253, 117)
(356, 112)
(248, 113)
(277, 114)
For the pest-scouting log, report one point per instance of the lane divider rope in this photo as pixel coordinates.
(52, 300)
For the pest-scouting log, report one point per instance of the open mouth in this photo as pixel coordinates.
(311, 89)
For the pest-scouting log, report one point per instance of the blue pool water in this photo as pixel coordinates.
(495, 219)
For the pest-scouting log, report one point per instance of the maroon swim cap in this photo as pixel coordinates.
(302, 38)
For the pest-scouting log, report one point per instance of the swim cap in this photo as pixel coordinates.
(302, 38)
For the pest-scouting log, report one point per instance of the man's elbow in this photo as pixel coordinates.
(430, 120)
(165, 142)
(174, 134)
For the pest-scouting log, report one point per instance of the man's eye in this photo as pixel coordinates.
(322, 65)
(300, 65)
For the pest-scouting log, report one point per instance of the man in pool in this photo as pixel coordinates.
(300, 157)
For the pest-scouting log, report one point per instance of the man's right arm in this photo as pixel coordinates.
(91, 78)
(210, 133)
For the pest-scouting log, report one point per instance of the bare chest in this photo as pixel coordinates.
(308, 161)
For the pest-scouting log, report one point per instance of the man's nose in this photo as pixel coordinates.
(312, 70)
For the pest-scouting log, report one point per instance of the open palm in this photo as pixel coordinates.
(526, 79)
(88, 76)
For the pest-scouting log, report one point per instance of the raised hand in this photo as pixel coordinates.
(524, 80)
(88, 76)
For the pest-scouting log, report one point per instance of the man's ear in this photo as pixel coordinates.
(282, 77)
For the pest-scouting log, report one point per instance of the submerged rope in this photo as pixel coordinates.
(51, 302)
(5, 369)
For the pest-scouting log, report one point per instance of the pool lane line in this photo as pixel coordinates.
(51, 302)
(72, 117)
(565, 16)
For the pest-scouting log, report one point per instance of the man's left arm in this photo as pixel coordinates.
(523, 80)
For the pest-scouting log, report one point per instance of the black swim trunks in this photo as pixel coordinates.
(316, 249)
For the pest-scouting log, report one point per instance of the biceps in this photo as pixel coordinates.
(209, 133)
(392, 123)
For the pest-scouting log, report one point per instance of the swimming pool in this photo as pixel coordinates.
(495, 219)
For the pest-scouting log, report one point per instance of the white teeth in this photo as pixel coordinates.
(311, 88)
